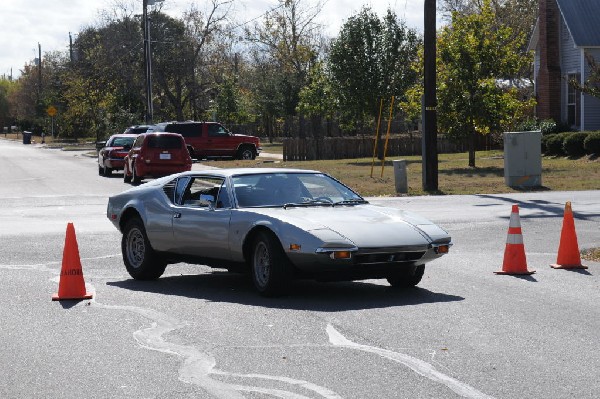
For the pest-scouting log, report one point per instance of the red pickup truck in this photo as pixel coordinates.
(211, 139)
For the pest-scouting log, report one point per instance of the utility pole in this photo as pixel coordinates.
(148, 60)
(70, 48)
(147, 64)
(38, 105)
(429, 106)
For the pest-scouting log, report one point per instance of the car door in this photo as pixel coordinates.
(201, 218)
(134, 152)
(220, 141)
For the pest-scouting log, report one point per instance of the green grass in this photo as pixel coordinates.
(273, 148)
(454, 175)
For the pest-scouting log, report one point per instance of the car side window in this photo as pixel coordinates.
(182, 184)
(216, 130)
(204, 192)
(138, 141)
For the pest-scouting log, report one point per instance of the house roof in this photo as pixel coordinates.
(582, 18)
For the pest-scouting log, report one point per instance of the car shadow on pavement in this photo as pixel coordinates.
(227, 287)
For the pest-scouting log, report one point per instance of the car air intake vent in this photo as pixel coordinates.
(169, 190)
(383, 258)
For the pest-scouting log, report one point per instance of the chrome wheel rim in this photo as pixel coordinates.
(262, 264)
(135, 247)
(247, 154)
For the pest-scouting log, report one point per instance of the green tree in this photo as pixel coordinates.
(474, 55)
(371, 59)
(317, 98)
(232, 103)
(5, 118)
(519, 14)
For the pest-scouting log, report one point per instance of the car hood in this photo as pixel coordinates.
(364, 225)
(244, 135)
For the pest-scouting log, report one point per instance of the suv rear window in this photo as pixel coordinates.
(185, 129)
(167, 142)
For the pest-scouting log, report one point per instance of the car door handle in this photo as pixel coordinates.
(176, 215)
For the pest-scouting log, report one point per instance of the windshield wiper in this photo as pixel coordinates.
(351, 202)
(296, 204)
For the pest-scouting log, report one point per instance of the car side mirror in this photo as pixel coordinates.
(209, 200)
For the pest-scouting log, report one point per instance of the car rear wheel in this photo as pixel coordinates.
(135, 179)
(126, 176)
(246, 152)
(271, 269)
(191, 151)
(141, 261)
(408, 277)
(106, 171)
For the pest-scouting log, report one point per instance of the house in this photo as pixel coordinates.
(566, 30)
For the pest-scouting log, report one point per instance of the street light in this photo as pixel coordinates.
(148, 60)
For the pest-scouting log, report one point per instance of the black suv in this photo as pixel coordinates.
(211, 139)
(137, 129)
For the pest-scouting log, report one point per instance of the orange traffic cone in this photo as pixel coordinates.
(568, 249)
(71, 285)
(514, 254)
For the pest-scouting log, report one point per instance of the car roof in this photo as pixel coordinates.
(124, 135)
(160, 134)
(248, 171)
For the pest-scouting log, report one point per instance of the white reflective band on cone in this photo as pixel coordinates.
(514, 239)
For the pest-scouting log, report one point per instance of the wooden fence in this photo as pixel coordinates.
(308, 149)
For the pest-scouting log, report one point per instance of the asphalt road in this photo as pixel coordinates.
(197, 333)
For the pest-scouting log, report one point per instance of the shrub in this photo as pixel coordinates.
(552, 144)
(573, 144)
(528, 125)
(548, 126)
(592, 143)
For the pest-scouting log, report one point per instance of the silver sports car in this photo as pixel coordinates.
(278, 224)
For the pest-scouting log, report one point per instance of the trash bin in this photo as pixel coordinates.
(400, 176)
(27, 137)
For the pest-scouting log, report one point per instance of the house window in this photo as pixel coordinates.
(573, 101)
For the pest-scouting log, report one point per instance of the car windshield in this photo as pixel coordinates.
(291, 189)
(122, 141)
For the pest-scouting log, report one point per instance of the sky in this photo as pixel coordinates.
(26, 23)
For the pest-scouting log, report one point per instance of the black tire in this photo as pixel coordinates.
(141, 261)
(126, 177)
(106, 171)
(135, 179)
(191, 152)
(407, 278)
(271, 268)
(246, 152)
(100, 170)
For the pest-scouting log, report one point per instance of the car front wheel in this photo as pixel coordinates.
(246, 153)
(408, 277)
(271, 269)
(141, 261)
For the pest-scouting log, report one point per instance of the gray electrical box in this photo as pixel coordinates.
(523, 159)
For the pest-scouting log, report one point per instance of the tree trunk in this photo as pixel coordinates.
(472, 141)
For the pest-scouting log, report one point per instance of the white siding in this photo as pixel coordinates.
(570, 63)
(591, 105)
